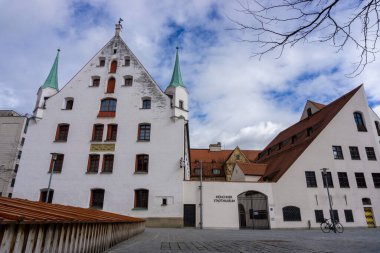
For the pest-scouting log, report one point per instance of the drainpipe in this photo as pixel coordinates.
(200, 198)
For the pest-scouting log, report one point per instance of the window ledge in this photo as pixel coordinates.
(143, 141)
(106, 172)
(93, 86)
(141, 172)
(60, 141)
(109, 141)
(91, 172)
(164, 205)
(64, 109)
(55, 172)
(126, 85)
(145, 108)
(96, 141)
(139, 209)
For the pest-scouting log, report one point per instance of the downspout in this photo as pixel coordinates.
(200, 198)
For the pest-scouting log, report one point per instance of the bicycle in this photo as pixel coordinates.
(327, 226)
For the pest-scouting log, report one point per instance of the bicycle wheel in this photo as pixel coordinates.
(339, 227)
(325, 227)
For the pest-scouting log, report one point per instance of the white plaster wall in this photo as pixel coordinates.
(222, 214)
(237, 174)
(73, 185)
(291, 188)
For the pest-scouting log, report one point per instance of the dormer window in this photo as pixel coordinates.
(102, 62)
(309, 112)
(309, 131)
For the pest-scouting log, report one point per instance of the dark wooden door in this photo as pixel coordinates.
(189, 215)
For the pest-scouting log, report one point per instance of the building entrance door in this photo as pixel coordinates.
(253, 210)
(189, 215)
(369, 217)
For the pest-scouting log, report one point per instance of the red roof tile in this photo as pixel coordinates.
(13, 210)
(252, 169)
(279, 160)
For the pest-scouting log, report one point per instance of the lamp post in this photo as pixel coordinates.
(324, 172)
(54, 157)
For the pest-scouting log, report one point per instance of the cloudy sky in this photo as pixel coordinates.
(235, 98)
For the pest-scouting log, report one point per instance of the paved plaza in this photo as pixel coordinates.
(266, 241)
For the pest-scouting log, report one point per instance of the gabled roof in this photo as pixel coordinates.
(317, 105)
(52, 79)
(280, 154)
(252, 169)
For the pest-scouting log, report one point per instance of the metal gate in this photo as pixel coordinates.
(253, 210)
(189, 215)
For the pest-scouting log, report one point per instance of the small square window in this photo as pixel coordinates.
(102, 62)
(127, 61)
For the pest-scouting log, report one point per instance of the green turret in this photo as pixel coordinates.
(176, 77)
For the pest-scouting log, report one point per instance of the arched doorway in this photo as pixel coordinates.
(253, 210)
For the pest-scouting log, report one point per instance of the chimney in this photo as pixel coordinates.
(215, 147)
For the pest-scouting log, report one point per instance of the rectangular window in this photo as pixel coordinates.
(216, 171)
(370, 153)
(319, 216)
(343, 180)
(127, 61)
(16, 168)
(13, 182)
(360, 180)
(146, 104)
(57, 164)
(337, 152)
(294, 139)
(102, 62)
(107, 163)
(164, 202)
(327, 178)
(144, 132)
(9, 195)
(19, 154)
(376, 179)
(62, 132)
(141, 198)
(112, 132)
(22, 141)
(334, 214)
(197, 171)
(181, 104)
(93, 163)
(43, 196)
(97, 199)
(96, 82)
(97, 133)
(311, 181)
(142, 162)
(349, 216)
(128, 80)
(354, 151)
(309, 131)
(69, 104)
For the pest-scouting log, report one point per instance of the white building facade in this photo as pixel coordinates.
(114, 140)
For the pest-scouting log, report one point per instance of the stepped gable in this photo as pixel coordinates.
(279, 157)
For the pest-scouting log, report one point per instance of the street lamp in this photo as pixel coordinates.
(54, 157)
(324, 173)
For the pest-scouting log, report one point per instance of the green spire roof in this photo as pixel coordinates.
(52, 79)
(176, 77)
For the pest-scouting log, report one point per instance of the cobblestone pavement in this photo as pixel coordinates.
(261, 241)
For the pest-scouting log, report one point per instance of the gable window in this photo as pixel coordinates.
(16, 170)
(97, 132)
(142, 162)
(146, 103)
(319, 216)
(13, 182)
(309, 113)
(69, 102)
(180, 104)
(354, 151)
(19, 154)
(343, 180)
(366, 201)
(377, 125)
(359, 122)
(141, 198)
(102, 62)
(216, 171)
(97, 199)
(111, 85)
(144, 132)
(334, 214)
(127, 61)
(291, 213)
(111, 132)
(58, 163)
(62, 132)
(108, 107)
(349, 216)
(113, 67)
(128, 80)
(107, 163)
(327, 179)
(337, 152)
(376, 179)
(311, 181)
(360, 180)
(93, 163)
(43, 195)
(370, 153)
(95, 81)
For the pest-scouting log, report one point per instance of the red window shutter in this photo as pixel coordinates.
(88, 163)
(93, 132)
(51, 165)
(57, 132)
(111, 85)
(113, 67)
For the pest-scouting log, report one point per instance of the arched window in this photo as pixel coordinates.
(113, 66)
(377, 124)
(111, 85)
(43, 195)
(146, 103)
(291, 213)
(62, 132)
(108, 107)
(141, 198)
(97, 198)
(359, 122)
